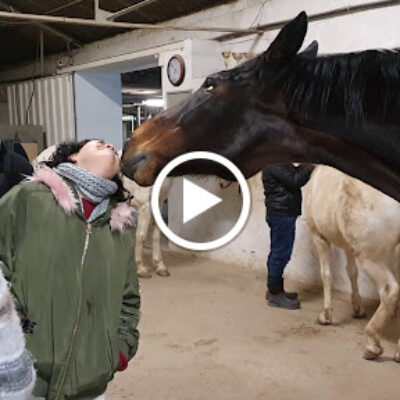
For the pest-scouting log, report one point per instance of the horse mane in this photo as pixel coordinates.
(359, 87)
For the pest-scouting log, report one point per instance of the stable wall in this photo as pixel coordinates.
(98, 107)
(371, 29)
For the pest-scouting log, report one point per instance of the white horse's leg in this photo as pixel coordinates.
(388, 290)
(397, 354)
(158, 261)
(323, 249)
(352, 272)
(141, 234)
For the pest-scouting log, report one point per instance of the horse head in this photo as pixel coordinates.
(283, 106)
(237, 113)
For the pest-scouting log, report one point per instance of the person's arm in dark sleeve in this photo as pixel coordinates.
(19, 168)
(19, 149)
(16, 168)
(12, 219)
(303, 174)
(293, 179)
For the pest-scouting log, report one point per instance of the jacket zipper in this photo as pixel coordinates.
(64, 374)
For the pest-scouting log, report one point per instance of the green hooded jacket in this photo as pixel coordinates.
(75, 281)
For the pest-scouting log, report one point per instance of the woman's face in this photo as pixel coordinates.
(99, 158)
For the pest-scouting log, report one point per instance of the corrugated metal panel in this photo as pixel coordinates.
(48, 102)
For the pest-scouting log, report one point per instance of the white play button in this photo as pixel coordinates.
(196, 200)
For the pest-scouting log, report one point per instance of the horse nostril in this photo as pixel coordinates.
(127, 169)
(130, 166)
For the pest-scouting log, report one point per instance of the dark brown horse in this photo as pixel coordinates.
(341, 110)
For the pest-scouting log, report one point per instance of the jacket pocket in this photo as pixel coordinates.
(112, 353)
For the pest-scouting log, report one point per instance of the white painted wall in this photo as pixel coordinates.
(352, 32)
(202, 57)
(219, 220)
(98, 107)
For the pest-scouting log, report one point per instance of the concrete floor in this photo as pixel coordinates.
(207, 333)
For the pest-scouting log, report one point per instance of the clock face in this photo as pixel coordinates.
(176, 70)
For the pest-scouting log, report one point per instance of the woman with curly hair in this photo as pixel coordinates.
(68, 252)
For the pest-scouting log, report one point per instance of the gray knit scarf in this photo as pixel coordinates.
(93, 188)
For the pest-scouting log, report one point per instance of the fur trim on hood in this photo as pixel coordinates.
(123, 215)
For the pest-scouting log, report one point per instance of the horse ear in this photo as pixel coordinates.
(310, 51)
(289, 39)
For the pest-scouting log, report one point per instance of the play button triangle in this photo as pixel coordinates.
(196, 200)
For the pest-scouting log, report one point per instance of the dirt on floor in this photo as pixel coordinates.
(207, 333)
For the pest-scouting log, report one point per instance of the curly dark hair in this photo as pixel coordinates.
(66, 149)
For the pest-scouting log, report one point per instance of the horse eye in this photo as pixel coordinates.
(209, 85)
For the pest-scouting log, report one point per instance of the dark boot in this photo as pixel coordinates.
(278, 288)
(289, 295)
(292, 295)
(281, 300)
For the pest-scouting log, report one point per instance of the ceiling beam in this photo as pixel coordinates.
(130, 9)
(53, 31)
(71, 3)
(99, 13)
(119, 25)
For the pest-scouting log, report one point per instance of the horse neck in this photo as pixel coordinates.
(321, 148)
(353, 97)
(382, 141)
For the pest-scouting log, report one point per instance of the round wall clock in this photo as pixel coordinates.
(176, 70)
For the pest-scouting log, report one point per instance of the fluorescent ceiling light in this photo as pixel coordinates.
(141, 91)
(154, 102)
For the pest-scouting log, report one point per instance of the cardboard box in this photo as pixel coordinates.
(25, 134)
(32, 150)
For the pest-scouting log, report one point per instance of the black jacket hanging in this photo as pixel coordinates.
(14, 165)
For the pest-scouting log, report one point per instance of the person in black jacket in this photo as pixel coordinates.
(14, 165)
(282, 188)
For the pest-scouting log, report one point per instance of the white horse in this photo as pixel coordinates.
(343, 211)
(141, 201)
